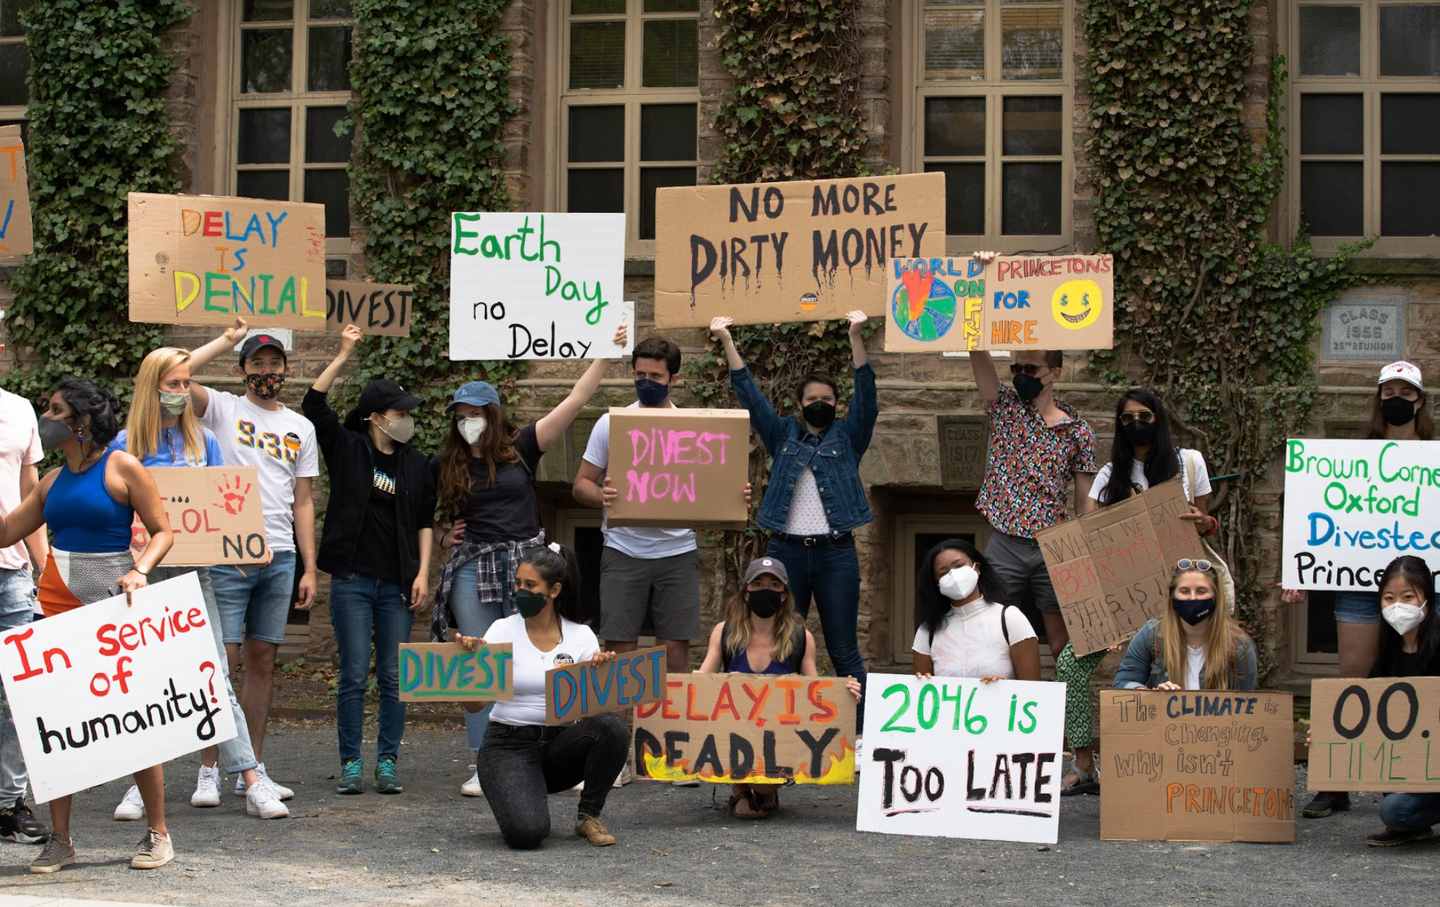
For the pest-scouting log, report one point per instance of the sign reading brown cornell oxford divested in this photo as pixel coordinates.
(679, 467)
(1381, 734)
(797, 251)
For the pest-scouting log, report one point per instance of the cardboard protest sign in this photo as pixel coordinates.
(1111, 569)
(679, 467)
(215, 515)
(748, 728)
(799, 251)
(1351, 507)
(537, 286)
(576, 691)
(110, 688)
(1197, 765)
(1031, 302)
(203, 259)
(961, 759)
(445, 672)
(381, 309)
(1381, 734)
(16, 231)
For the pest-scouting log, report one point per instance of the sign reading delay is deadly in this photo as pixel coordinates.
(537, 286)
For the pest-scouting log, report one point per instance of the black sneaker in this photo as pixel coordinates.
(1394, 837)
(18, 824)
(1325, 803)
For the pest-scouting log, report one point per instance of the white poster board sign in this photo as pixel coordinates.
(537, 286)
(1351, 507)
(109, 688)
(953, 757)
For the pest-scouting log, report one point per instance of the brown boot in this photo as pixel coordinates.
(593, 830)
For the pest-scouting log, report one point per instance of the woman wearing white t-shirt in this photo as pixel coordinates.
(963, 633)
(523, 760)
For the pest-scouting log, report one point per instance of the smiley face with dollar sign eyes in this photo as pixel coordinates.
(1077, 304)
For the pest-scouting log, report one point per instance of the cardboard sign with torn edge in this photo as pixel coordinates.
(445, 672)
(576, 691)
(17, 233)
(679, 468)
(1381, 734)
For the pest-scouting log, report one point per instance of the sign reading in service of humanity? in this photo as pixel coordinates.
(799, 251)
(958, 758)
(109, 688)
(1381, 734)
(1197, 765)
(16, 232)
(576, 691)
(378, 309)
(446, 672)
(200, 259)
(1351, 507)
(537, 286)
(1026, 302)
(1111, 569)
(215, 513)
(748, 728)
(678, 467)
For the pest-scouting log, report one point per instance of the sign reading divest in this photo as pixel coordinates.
(376, 308)
(798, 251)
(1351, 507)
(16, 233)
(200, 259)
(215, 515)
(748, 728)
(105, 690)
(962, 759)
(1111, 569)
(1197, 765)
(537, 286)
(1381, 735)
(576, 691)
(679, 467)
(1035, 302)
(444, 671)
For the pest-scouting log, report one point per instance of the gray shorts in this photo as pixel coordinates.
(665, 589)
(1018, 570)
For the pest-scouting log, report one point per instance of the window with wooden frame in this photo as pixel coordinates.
(289, 86)
(14, 66)
(1365, 123)
(991, 110)
(628, 105)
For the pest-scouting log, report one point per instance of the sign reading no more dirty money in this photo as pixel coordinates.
(1381, 734)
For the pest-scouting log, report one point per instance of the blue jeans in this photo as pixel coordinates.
(1357, 607)
(472, 618)
(365, 609)
(1410, 812)
(255, 600)
(17, 608)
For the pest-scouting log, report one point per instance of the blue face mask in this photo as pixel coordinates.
(651, 393)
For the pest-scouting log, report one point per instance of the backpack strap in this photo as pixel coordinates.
(1004, 626)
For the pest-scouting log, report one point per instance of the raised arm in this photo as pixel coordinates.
(349, 337)
(980, 362)
(720, 330)
(553, 425)
(857, 340)
(769, 426)
(201, 357)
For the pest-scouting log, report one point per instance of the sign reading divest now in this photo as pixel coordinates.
(16, 234)
(445, 672)
(107, 689)
(537, 286)
(201, 259)
(961, 759)
(678, 467)
(797, 251)
(215, 514)
(1381, 734)
(576, 691)
(1351, 507)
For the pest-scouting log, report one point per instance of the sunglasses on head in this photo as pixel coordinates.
(1131, 418)
(1025, 368)
(1185, 565)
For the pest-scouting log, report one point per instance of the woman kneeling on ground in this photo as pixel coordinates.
(1195, 645)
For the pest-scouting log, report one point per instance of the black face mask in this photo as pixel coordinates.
(650, 393)
(1027, 386)
(820, 414)
(53, 433)
(1193, 610)
(529, 603)
(1138, 433)
(1397, 411)
(764, 602)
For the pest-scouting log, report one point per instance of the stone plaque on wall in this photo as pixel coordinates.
(1365, 325)
(963, 440)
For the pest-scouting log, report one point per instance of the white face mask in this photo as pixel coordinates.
(1403, 617)
(471, 428)
(959, 582)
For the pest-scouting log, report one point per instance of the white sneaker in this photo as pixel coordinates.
(472, 787)
(263, 802)
(207, 787)
(691, 782)
(240, 785)
(281, 791)
(625, 777)
(132, 808)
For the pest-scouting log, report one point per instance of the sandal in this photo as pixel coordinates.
(1084, 783)
(743, 805)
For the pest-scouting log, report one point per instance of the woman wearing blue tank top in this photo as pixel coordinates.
(89, 504)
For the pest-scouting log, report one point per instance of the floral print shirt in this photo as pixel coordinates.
(1029, 465)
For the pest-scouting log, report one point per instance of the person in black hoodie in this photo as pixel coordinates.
(376, 548)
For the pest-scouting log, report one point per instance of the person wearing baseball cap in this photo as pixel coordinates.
(762, 633)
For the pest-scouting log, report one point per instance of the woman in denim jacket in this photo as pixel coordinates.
(1196, 631)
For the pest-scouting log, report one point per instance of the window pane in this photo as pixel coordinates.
(264, 136)
(322, 145)
(590, 7)
(10, 17)
(652, 178)
(1401, 186)
(1332, 124)
(955, 43)
(331, 188)
(330, 59)
(671, 54)
(964, 197)
(596, 191)
(1410, 124)
(667, 132)
(1329, 40)
(672, 6)
(597, 54)
(954, 126)
(1410, 40)
(1032, 125)
(268, 10)
(330, 9)
(1332, 198)
(1032, 43)
(271, 184)
(597, 134)
(265, 55)
(1031, 205)
(14, 65)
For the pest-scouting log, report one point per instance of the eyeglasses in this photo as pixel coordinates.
(1131, 418)
(1025, 368)
(1185, 565)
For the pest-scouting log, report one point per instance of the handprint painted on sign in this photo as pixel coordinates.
(232, 495)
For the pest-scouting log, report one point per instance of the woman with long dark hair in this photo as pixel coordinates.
(963, 631)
